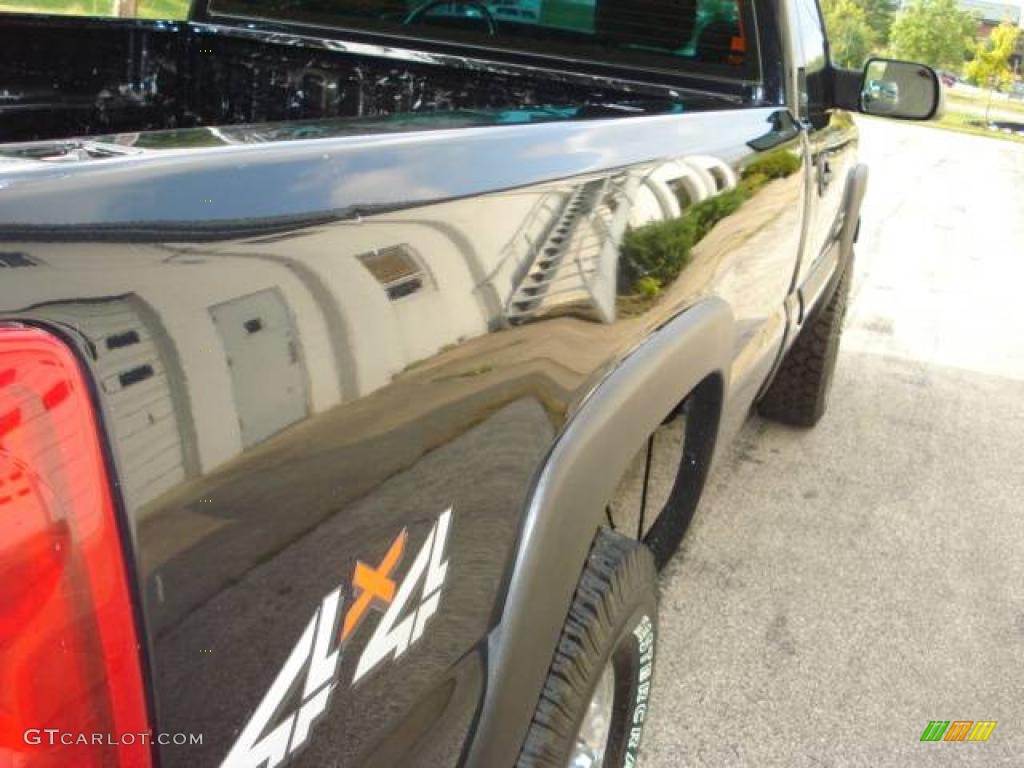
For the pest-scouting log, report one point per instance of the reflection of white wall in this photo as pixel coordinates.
(141, 403)
(179, 294)
(653, 202)
(721, 175)
(383, 335)
(440, 314)
(353, 338)
(698, 177)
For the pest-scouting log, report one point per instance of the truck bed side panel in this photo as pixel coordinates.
(318, 359)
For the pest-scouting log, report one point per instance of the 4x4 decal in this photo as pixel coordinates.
(374, 584)
(271, 738)
(401, 628)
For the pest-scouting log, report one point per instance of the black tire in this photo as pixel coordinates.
(613, 619)
(800, 392)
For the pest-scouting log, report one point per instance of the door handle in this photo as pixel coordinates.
(825, 174)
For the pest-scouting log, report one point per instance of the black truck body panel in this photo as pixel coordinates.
(329, 296)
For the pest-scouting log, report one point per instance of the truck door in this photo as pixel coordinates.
(831, 138)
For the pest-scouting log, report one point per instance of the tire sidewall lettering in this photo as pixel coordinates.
(644, 637)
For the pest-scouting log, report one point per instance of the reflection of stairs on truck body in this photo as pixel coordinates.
(567, 268)
(516, 256)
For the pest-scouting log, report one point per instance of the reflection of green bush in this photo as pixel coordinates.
(654, 254)
(658, 250)
(774, 165)
(753, 182)
(709, 212)
(661, 249)
(648, 287)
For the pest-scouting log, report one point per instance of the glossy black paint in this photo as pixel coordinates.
(131, 80)
(282, 400)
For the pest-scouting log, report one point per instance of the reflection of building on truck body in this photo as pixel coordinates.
(692, 179)
(283, 327)
(559, 252)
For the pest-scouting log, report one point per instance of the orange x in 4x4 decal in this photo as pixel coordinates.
(373, 584)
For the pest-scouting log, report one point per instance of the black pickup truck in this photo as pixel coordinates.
(362, 361)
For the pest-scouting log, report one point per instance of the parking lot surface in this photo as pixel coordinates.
(841, 587)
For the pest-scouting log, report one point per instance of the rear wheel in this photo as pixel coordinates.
(800, 392)
(592, 709)
(657, 496)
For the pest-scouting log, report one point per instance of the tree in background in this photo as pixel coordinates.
(879, 15)
(991, 63)
(934, 32)
(850, 38)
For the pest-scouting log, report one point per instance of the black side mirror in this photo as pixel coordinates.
(888, 88)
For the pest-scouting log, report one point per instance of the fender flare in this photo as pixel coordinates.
(856, 186)
(819, 284)
(567, 505)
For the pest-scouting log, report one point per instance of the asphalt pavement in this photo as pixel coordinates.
(842, 587)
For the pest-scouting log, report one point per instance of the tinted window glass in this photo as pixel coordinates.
(812, 34)
(813, 57)
(662, 34)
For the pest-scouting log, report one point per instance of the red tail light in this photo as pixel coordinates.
(69, 655)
